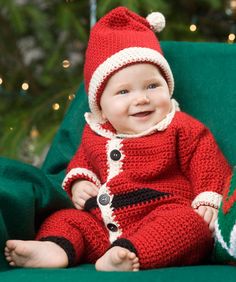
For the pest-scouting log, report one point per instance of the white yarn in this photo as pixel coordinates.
(122, 58)
(94, 124)
(207, 198)
(157, 21)
(80, 171)
(231, 246)
(114, 169)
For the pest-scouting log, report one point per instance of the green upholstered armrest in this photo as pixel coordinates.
(206, 87)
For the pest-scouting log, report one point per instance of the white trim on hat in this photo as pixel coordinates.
(117, 61)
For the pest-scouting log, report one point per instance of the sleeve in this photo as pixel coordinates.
(79, 168)
(203, 164)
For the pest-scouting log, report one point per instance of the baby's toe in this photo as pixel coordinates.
(12, 263)
(122, 254)
(8, 258)
(131, 256)
(136, 266)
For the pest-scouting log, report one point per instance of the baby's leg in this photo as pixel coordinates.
(79, 233)
(173, 236)
(118, 259)
(35, 254)
(66, 237)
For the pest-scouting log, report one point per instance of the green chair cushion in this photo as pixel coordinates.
(87, 273)
(26, 198)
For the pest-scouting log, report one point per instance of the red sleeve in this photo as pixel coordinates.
(79, 168)
(203, 163)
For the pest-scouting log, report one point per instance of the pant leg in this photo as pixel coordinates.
(170, 237)
(81, 235)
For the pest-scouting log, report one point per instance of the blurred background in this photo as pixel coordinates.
(42, 46)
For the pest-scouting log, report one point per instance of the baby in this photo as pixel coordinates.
(147, 179)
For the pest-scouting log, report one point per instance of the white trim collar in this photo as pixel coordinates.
(96, 126)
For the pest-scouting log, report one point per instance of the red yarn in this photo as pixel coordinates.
(160, 176)
(119, 29)
(184, 160)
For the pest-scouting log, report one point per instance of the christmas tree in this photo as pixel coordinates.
(42, 46)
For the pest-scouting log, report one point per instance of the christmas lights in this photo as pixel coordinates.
(66, 64)
(56, 106)
(25, 86)
(193, 27)
(71, 97)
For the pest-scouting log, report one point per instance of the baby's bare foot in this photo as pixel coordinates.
(36, 254)
(118, 259)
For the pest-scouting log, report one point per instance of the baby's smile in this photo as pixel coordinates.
(139, 96)
(142, 114)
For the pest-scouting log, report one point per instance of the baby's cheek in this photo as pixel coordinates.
(165, 105)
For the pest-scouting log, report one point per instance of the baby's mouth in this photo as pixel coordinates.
(142, 114)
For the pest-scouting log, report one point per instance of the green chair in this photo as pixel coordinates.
(205, 87)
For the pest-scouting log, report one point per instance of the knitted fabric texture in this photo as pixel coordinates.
(170, 235)
(150, 160)
(119, 39)
(146, 188)
(146, 183)
(83, 237)
(225, 227)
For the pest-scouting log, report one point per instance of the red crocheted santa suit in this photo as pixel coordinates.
(148, 187)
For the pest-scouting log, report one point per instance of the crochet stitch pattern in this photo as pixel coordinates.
(119, 39)
(148, 183)
(225, 233)
(162, 226)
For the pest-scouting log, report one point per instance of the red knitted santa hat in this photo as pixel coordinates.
(118, 39)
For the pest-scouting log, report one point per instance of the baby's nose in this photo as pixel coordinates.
(142, 98)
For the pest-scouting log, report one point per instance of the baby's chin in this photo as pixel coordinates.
(134, 131)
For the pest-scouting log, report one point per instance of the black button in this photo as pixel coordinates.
(104, 199)
(115, 155)
(112, 227)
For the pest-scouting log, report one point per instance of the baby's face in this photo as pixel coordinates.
(135, 99)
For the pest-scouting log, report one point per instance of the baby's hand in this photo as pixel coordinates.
(81, 191)
(209, 214)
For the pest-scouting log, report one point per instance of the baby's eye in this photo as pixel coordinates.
(122, 92)
(152, 86)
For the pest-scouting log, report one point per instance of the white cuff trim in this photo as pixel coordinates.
(211, 199)
(83, 172)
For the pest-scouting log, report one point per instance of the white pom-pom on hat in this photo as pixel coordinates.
(157, 21)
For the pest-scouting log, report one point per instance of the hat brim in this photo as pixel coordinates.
(119, 60)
